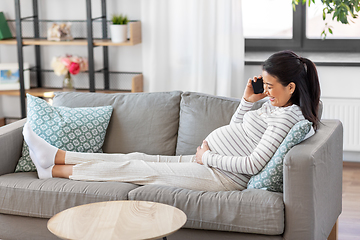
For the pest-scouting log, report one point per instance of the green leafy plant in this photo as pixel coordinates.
(339, 9)
(119, 19)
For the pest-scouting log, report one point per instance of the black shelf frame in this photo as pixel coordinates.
(90, 44)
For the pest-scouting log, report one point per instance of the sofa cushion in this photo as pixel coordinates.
(26, 195)
(249, 211)
(200, 114)
(271, 176)
(141, 122)
(70, 129)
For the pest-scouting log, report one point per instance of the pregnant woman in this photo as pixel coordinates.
(229, 155)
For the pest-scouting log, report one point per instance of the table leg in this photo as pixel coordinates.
(164, 238)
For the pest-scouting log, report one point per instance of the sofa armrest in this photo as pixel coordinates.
(11, 140)
(313, 184)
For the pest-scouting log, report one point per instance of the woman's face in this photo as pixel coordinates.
(279, 95)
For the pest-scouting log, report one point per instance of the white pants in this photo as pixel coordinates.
(142, 169)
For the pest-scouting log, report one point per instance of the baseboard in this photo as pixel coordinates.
(351, 164)
(2, 122)
(351, 156)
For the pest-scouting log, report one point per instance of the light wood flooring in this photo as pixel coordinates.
(349, 220)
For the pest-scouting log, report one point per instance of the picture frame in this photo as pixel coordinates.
(10, 78)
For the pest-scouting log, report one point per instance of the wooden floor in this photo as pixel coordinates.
(349, 220)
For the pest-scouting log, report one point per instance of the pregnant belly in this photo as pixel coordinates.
(229, 141)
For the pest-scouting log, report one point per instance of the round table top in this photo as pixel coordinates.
(117, 220)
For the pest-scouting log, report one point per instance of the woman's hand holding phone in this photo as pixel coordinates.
(249, 94)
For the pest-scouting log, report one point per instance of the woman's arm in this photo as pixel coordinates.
(247, 102)
(275, 133)
(243, 107)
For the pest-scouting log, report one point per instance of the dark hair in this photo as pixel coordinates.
(288, 67)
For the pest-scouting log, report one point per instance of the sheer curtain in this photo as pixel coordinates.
(193, 45)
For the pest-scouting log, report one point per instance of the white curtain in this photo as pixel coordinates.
(193, 45)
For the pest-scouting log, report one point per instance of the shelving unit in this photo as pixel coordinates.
(37, 41)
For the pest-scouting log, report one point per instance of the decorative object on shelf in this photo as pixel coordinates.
(59, 32)
(4, 28)
(119, 28)
(69, 65)
(10, 77)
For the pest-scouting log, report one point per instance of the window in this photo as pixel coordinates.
(273, 20)
(281, 28)
(315, 24)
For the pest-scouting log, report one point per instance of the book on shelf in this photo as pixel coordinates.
(4, 28)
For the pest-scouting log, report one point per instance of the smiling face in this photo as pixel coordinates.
(279, 95)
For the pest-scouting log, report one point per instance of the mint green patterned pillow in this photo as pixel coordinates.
(70, 129)
(271, 176)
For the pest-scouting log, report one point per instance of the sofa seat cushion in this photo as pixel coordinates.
(249, 211)
(140, 122)
(26, 195)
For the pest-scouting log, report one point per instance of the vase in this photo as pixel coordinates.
(118, 33)
(68, 83)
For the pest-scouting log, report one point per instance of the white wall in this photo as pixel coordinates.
(10, 107)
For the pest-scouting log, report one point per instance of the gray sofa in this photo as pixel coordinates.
(175, 123)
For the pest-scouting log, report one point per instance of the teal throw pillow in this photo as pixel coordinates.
(271, 176)
(70, 129)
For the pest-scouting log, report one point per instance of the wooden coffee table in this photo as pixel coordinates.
(117, 220)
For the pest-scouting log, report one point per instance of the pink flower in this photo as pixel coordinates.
(74, 68)
(66, 61)
(76, 59)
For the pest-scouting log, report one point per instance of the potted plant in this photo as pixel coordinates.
(119, 28)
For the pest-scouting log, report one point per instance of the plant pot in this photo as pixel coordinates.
(118, 33)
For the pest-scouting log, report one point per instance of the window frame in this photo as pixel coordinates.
(299, 42)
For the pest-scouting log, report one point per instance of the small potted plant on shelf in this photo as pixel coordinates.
(119, 28)
(68, 65)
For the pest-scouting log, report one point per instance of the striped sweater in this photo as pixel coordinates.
(242, 148)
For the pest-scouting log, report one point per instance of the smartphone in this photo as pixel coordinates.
(258, 86)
